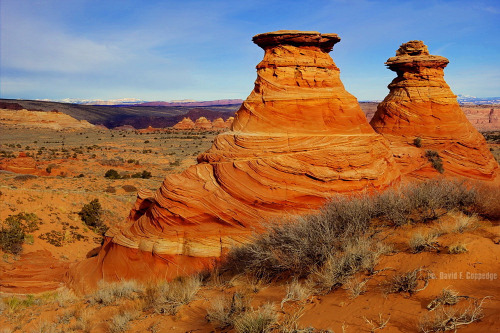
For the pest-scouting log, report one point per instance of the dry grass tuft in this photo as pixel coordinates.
(121, 321)
(423, 242)
(446, 297)
(65, 296)
(84, 320)
(446, 319)
(257, 321)
(166, 297)
(226, 308)
(108, 293)
(296, 292)
(464, 222)
(379, 324)
(355, 287)
(410, 282)
(457, 248)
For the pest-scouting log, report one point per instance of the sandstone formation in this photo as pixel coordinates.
(298, 139)
(38, 119)
(421, 105)
(184, 124)
(22, 164)
(229, 122)
(219, 124)
(203, 123)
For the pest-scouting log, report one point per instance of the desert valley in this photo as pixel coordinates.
(298, 209)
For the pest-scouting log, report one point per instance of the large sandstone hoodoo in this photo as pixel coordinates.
(219, 124)
(184, 124)
(421, 106)
(297, 140)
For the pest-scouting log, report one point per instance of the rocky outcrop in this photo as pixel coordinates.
(219, 124)
(229, 122)
(298, 139)
(421, 106)
(184, 124)
(22, 164)
(38, 119)
(203, 123)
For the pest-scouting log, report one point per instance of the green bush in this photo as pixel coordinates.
(144, 175)
(12, 238)
(417, 142)
(435, 159)
(112, 174)
(91, 215)
(28, 222)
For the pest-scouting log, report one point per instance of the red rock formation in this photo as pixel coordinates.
(203, 123)
(184, 124)
(39, 119)
(297, 140)
(229, 122)
(421, 105)
(22, 164)
(219, 124)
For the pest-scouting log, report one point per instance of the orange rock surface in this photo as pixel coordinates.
(229, 122)
(297, 140)
(203, 123)
(22, 164)
(184, 124)
(219, 124)
(39, 119)
(421, 105)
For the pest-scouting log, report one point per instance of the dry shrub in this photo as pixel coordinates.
(296, 292)
(464, 222)
(379, 324)
(488, 202)
(356, 256)
(294, 248)
(420, 242)
(121, 321)
(110, 292)
(457, 248)
(85, 320)
(451, 318)
(65, 296)
(224, 309)
(355, 287)
(166, 297)
(410, 282)
(446, 297)
(257, 321)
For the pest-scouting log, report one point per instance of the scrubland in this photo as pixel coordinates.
(415, 258)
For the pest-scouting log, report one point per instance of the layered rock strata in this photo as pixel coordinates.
(203, 123)
(184, 124)
(298, 139)
(38, 119)
(421, 110)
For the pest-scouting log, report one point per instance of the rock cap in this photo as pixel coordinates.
(415, 54)
(296, 38)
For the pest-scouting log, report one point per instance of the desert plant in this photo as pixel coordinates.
(65, 296)
(112, 174)
(224, 309)
(296, 292)
(410, 282)
(256, 321)
(144, 175)
(28, 222)
(423, 242)
(129, 188)
(355, 287)
(447, 319)
(446, 297)
(109, 292)
(91, 215)
(120, 322)
(457, 248)
(166, 297)
(417, 142)
(435, 159)
(464, 222)
(12, 238)
(379, 324)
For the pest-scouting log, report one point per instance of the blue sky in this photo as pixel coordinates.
(202, 50)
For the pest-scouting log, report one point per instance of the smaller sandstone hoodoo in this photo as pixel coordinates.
(203, 124)
(229, 122)
(184, 124)
(219, 124)
(421, 114)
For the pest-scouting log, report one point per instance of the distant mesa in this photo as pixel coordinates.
(220, 102)
(421, 105)
(39, 119)
(297, 140)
